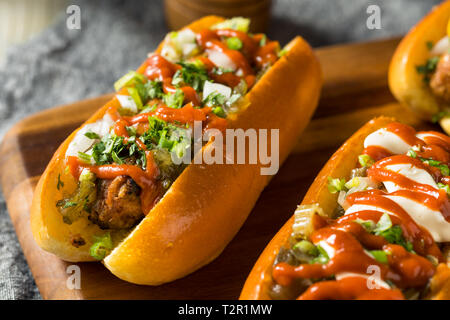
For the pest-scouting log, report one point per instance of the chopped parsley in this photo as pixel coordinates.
(167, 136)
(174, 100)
(431, 162)
(428, 68)
(438, 116)
(215, 99)
(384, 228)
(191, 74)
(59, 184)
(150, 90)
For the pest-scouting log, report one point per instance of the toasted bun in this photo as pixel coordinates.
(405, 82)
(207, 204)
(340, 164)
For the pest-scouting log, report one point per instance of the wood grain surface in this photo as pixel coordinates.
(355, 90)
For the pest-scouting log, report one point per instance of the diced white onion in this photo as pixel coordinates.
(81, 143)
(364, 184)
(127, 102)
(211, 87)
(302, 218)
(341, 199)
(186, 36)
(188, 48)
(179, 45)
(170, 53)
(220, 59)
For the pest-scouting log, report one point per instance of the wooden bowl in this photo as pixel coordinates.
(181, 12)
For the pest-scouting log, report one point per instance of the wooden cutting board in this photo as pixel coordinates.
(355, 90)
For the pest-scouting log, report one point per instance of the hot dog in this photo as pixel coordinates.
(419, 73)
(112, 191)
(374, 224)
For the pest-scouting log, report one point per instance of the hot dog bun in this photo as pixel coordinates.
(207, 204)
(340, 165)
(405, 82)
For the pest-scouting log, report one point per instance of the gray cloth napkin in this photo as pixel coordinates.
(61, 66)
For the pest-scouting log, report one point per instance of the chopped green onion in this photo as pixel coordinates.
(101, 247)
(411, 153)
(218, 111)
(237, 23)
(379, 255)
(136, 97)
(433, 260)
(129, 79)
(282, 53)
(336, 185)
(323, 257)
(365, 160)
(435, 163)
(306, 247)
(234, 43)
(383, 224)
(446, 187)
(263, 41)
(444, 170)
(369, 225)
(84, 157)
(69, 204)
(438, 116)
(91, 135)
(354, 182)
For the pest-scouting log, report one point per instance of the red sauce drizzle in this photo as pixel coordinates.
(252, 53)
